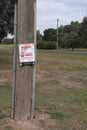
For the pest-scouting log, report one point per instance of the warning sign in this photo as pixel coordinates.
(26, 53)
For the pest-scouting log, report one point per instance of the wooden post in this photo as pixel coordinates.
(24, 74)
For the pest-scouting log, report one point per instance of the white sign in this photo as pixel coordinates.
(26, 53)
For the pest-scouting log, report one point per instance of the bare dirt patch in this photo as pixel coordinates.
(3, 80)
(5, 77)
(41, 122)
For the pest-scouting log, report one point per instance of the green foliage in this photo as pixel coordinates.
(67, 28)
(68, 36)
(71, 40)
(7, 41)
(50, 35)
(72, 36)
(6, 17)
(75, 26)
(46, 45)
(83, 33)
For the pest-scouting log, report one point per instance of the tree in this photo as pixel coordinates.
(83, 32)
(6, 17)
(71, 40)
(50, 34)
(75, 26)
(60, 36)
(68, 28)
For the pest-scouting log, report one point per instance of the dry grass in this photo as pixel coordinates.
(61, 91)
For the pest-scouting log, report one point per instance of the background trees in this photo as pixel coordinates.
(69, 36)
(6, 17)
(83, 33)
(72, 36)
(50, 35)
(71, 40)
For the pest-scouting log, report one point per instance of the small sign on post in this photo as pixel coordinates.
(26, 54)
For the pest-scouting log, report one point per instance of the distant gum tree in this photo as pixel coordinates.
(71, 40)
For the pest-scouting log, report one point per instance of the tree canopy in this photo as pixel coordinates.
(83, 32)
(72, 36)
(6, 17)
(71, 40)
(50, 34)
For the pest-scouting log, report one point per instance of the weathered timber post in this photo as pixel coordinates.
(24, 75)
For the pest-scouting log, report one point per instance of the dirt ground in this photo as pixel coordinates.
(42, 121)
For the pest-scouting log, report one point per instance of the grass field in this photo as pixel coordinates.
(61, 90)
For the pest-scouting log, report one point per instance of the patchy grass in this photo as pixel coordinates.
(61, 89)
(6, 46)
(75, 49)
(7, 127)
(5, 82)
(6, 59)
(5, 101)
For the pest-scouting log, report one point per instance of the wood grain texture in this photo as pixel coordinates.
(23, 90)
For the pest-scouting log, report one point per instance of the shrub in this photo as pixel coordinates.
(48, 45)
(7, 41)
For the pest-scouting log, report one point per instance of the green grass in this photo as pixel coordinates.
(61, 88)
